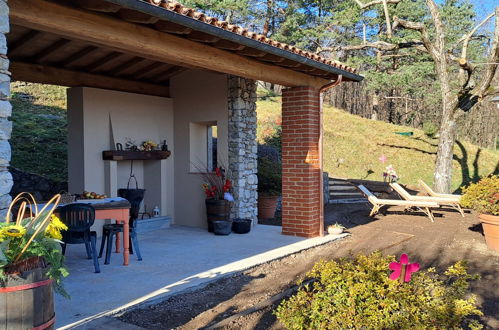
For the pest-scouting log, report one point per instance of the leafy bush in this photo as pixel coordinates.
(269, 177)
(430, 129)
(353, 294)
(482, 196)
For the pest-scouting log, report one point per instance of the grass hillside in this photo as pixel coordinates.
(39, 135)
(353, 146)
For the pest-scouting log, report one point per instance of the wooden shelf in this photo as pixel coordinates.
(135, 155)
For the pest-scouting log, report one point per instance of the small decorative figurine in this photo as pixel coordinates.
(402, 270)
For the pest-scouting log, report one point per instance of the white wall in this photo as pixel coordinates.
(199, 97)
(97, 119)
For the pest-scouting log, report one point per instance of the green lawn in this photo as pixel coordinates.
(353, 145)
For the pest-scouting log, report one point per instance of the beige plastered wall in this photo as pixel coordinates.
(199, 97)
(97, 119)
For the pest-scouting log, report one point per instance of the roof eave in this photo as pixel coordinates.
(186, 21)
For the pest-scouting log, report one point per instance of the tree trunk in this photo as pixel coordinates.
(442, 177)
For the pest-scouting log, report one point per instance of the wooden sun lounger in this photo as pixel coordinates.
(379, 203)
(432, 193)
(442, 201)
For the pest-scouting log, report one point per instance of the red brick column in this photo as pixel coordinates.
(302, 212)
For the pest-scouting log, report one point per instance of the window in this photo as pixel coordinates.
(203, 146)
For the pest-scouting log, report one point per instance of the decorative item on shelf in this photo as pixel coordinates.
(148, 145)
(164, 146)
(483, 197)
(335, 229)
(269, 187)
(217, 188)
(31, 262)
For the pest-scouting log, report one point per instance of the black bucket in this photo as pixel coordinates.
(241, 226)
(222, 227)
(134, 196)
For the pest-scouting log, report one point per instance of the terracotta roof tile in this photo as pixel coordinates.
(180, 9)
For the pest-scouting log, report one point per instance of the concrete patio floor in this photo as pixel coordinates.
(174, 259)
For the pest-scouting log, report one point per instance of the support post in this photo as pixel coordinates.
(302, 212)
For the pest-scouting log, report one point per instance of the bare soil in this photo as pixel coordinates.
(245, 301)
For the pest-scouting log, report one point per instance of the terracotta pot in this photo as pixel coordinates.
(267, 206)
(490, 224)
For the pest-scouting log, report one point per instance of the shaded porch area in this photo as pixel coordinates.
(175, 259)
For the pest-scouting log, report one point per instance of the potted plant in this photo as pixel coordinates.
(335, 229)
(269, 187)
(217, 188)
(483, 197)
(31, 263)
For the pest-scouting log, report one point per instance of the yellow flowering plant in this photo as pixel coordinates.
(33, 235)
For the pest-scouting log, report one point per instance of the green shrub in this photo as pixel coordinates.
(353, 294)
(430, 129)
(269, 177)
(482, 196)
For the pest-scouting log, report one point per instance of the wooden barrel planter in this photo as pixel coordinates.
(27, 301)
(217, 209)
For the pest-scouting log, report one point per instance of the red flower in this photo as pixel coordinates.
(218, 172)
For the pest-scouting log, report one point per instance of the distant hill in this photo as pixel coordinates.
(353, 146)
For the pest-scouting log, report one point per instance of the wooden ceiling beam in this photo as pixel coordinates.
(78, 55)
(21, 41)
(125, 37)
(95, 65)
(47, 51)
(56, 76)
(125, 66)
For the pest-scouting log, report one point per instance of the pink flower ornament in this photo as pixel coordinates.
(382, 159)
(403, 270)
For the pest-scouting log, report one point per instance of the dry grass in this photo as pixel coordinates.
(352, 146)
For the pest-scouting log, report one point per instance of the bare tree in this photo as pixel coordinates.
(455, 101)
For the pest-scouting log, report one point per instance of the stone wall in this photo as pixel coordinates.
(5, 112)
(243, 146)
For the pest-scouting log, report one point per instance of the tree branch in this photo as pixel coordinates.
(416, 26)
(382, 45)
(376, 2)
(490, 72)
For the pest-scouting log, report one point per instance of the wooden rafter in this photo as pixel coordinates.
(139, 73)
(126, 65)
(136, 17)
(202, 37)
(228, 45)
(76, 56)
(133, 39)
(95, 65)
(23, 40)
(56, 76)
(47, 51)
(170, 27)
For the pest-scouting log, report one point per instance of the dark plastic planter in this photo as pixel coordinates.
(241, 226)
(222, 227)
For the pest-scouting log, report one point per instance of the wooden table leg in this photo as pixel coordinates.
(126, 241)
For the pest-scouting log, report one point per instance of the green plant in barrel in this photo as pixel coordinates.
(31, 240)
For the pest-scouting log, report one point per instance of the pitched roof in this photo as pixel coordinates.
(177, 7)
